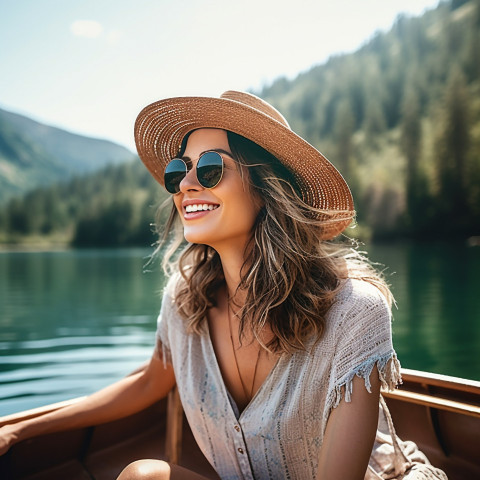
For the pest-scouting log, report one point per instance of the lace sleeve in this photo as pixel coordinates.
(364, 339)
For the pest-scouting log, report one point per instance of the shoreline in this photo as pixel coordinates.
(34, 247)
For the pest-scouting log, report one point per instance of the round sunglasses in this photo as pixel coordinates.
(209, 171)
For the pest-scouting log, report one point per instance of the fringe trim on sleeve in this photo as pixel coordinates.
(389, 372)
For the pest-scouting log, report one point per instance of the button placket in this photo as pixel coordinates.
(241, 450)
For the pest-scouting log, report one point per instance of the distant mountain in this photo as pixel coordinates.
(400, 118)
(33, 154)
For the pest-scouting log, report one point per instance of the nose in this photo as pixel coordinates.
(190, 181)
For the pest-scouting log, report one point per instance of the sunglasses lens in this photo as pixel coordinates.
(175, 172)
(210, 169)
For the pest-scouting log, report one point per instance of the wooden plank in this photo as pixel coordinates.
(434, 402)
(36, 412)
(173, 436)
(444, 381)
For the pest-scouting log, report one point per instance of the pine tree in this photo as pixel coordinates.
(374, 123)
(452, 152)
(343, 130)
(411, 145)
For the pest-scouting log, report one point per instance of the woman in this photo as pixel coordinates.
(278, 340)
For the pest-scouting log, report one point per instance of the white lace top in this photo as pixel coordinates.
(280, 433)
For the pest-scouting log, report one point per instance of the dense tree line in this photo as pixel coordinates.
(400, 118)
(115, 206)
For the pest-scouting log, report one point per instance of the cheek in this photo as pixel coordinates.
(251, 204)
(178, 206)
(243, 212)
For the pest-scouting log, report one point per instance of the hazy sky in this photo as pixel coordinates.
(90, 66)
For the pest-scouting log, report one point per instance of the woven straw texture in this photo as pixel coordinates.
(161, 127)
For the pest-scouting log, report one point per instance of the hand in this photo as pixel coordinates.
(8, 437)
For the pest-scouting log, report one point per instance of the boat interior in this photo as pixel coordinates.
(441, 414)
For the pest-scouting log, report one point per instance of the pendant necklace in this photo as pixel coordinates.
(245, 392)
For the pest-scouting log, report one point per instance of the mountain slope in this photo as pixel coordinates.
(33, 154)
(400, 118)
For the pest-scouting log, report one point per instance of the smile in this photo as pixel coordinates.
(201, 207)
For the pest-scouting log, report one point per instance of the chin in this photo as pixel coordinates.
(196, 237)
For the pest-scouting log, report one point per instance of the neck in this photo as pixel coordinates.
(231, 271)
(232, 262)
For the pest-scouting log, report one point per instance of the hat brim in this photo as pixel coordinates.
(161, 126)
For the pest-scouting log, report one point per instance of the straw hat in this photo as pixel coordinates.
(161, 127)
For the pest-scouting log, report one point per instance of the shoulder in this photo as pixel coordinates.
(359, 303)
(355, 291)
(174, 284)
(169, 295)
(169, 314)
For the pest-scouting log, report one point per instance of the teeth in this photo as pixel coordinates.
(200, 207)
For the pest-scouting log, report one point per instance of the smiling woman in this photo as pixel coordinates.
(277, 338)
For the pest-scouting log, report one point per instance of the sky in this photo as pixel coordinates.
(90, 66)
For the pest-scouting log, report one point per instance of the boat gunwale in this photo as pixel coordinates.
(440, 380)
(424, 379)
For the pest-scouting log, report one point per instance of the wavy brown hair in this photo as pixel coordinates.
(290, 277)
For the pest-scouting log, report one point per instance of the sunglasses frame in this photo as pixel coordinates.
(196, 171)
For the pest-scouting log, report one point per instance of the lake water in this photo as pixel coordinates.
(74, 321)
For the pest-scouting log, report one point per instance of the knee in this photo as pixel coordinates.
(146, 470)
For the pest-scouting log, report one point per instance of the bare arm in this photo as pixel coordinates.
(350, 434)
(125, 397)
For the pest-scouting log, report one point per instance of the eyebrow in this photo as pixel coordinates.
(218, 150)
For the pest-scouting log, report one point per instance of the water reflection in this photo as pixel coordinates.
(436, 326)
(72, 322)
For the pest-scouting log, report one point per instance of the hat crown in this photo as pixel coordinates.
(256, 103)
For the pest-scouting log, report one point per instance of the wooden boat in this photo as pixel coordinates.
(441, 414)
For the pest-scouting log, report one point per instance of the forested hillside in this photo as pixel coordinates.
(400, 118)
(34, 154)
(115, 206)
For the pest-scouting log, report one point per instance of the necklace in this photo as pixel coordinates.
(245, 392)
